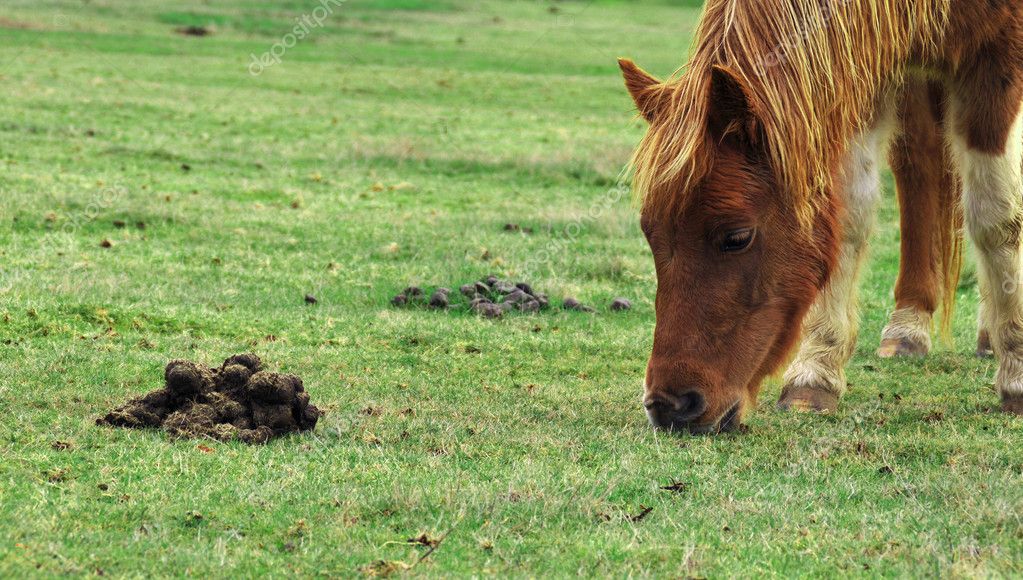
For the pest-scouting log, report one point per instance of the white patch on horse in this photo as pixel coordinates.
(993, 194)
(909, 324)
(831, 326)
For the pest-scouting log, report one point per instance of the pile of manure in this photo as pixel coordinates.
(239, 400)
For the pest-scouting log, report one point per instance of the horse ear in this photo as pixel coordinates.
(646, 91)
(733, 110)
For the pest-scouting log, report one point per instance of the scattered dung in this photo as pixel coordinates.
(492, 297)
(486, 308)
(439, 301)
(621, 305)
(528, 306)
(517, 228)
(195, 31)
(239, 401)
(573, 304)
(411, 295)
(503, 287)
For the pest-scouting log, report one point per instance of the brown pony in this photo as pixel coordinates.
(759, 184)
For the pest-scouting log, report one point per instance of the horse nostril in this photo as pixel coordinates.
(672, 412)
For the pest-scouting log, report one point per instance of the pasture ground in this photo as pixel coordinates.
(389, 147)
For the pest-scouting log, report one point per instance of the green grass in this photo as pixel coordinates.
(525, 448)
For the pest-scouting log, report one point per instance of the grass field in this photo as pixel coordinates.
(387, 147)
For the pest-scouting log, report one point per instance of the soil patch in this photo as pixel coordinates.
(239, 401)
(16, 24)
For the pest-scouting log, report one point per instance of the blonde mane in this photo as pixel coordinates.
(813, 69)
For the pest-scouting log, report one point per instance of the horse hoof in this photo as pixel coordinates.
(901, 347)
(808, 399)
(984, 349)
(1013, 405)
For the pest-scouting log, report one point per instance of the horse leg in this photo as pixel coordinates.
(816, 378)
(987, 140)
(921, 167)
(984, 349)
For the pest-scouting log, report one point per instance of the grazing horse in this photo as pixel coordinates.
(759, 185)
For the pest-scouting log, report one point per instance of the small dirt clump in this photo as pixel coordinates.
(239, 400)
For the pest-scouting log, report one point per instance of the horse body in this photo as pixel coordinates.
(759, 178)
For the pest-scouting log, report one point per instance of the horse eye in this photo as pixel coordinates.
(737, 241)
